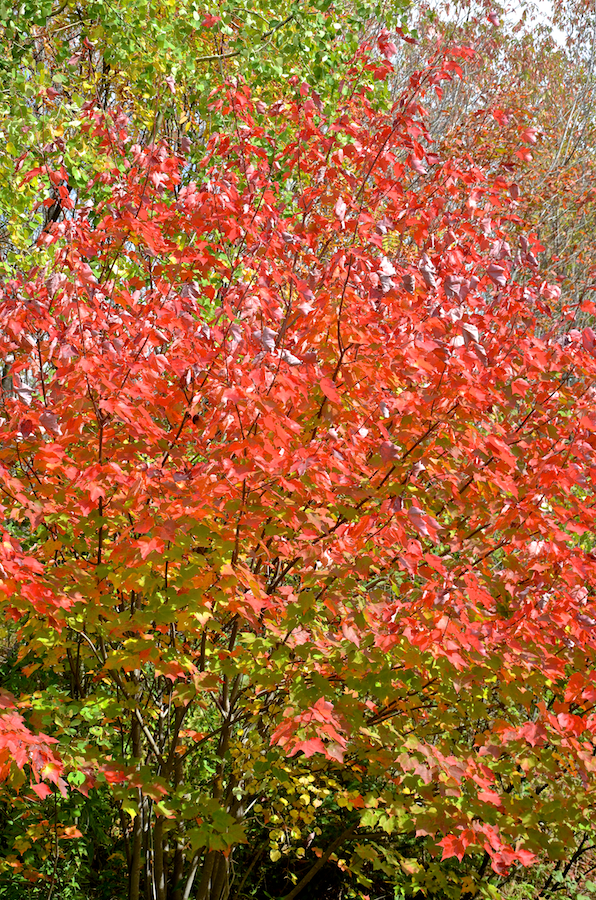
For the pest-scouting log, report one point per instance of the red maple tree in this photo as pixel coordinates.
(291, 471)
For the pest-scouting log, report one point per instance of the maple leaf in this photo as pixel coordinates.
(330, 390)
(497, 274)
(453, 846)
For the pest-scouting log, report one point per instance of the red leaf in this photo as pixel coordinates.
(500, 449)
(497, 274)
(550, 292)
(330, 391)
(389, 451)
(529, 135)
(42, 790)
(588, 339)
(340, 210)
(424, 524)
(418, 165)
(453, 846)
(520, 386)
(525, 857)
(309, 747)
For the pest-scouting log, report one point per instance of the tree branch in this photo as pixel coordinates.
(333, 846)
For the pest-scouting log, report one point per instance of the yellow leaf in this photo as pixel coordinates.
(130, 807)
(468, 886)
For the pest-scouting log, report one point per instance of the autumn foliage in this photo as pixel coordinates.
(297, 493)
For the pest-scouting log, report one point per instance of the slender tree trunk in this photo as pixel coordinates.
(220, 889)
(134, 872)
(136, 850)
(175, 891)
(204, 888)
(159, 859)
(147, 848)
(191, 876)
(215, 879)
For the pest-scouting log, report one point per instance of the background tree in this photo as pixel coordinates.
(159, 62)
(525, 105)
